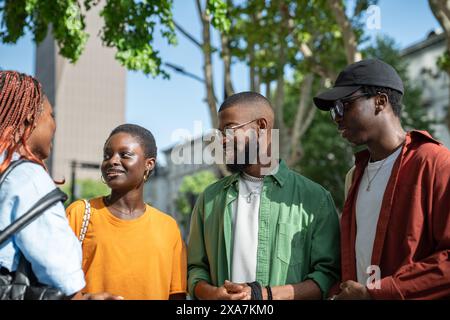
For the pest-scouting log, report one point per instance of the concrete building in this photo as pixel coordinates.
(421, 58)
(88, 98)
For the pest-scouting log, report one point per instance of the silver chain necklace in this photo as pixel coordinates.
(246, 177)
(369, 180)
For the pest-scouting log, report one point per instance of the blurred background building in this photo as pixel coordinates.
(421, 58)
(162, 191)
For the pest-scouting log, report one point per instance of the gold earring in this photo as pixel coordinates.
(103, 179)
(146, 175)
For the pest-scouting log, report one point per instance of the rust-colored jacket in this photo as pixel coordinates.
(412, 242)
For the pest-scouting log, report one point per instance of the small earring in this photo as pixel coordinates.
(146, 175)
(103, 179)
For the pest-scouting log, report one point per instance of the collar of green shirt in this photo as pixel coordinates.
(280, 176)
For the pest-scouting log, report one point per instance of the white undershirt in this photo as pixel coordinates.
(368, 205)
(245, 220)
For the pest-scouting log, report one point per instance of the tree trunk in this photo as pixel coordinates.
(303, 118)
(349, 37)
(252, 68)
(268, 93)
(208, 74)
(279, 91)
(207, 66)
(254, 72)
(226, 56)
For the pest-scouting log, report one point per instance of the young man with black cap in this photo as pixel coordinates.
(395, 225)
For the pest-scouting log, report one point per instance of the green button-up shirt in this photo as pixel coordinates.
(298, 236)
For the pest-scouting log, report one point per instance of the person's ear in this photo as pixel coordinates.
(381, 102)
(29, 119)
(150, 164)
(262, 123)
(28, 123)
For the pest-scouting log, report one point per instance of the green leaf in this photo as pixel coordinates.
(218, 9)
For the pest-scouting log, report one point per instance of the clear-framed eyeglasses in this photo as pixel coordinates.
(229, 130)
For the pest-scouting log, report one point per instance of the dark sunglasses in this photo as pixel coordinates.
(339, 105)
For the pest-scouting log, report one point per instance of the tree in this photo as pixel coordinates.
(129, 26)
(272, 36)
(206, 18)
(327, 156)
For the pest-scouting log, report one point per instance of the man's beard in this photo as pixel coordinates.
(248, 159)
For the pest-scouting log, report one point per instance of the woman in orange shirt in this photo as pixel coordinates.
(129, 247)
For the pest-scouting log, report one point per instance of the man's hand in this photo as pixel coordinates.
(233, 288)
(205, 291)
(351, 290)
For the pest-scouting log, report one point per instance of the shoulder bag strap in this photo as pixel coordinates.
(86, 218)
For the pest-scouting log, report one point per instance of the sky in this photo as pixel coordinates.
(166, 105)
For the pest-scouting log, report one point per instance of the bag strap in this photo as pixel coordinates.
(51, 198)
(38, 208)
(10, 168)
(86, 218)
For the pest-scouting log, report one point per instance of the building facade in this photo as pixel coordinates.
(423, 70)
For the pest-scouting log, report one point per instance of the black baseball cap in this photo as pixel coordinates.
(369, 72)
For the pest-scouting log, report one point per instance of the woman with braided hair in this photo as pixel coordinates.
(27, 127)
(21, 102)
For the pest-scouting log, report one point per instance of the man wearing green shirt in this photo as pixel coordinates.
(264, 232)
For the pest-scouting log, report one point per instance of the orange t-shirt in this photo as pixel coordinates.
(144, 258)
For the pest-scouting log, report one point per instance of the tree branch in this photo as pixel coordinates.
(208, 74)
(442, 14)
(444, 6)
(278, 104)
(187, 34)
(226, 56)
(299, 122)
(183, 71)
(207, 65)
(254, 74)
(349, 37)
